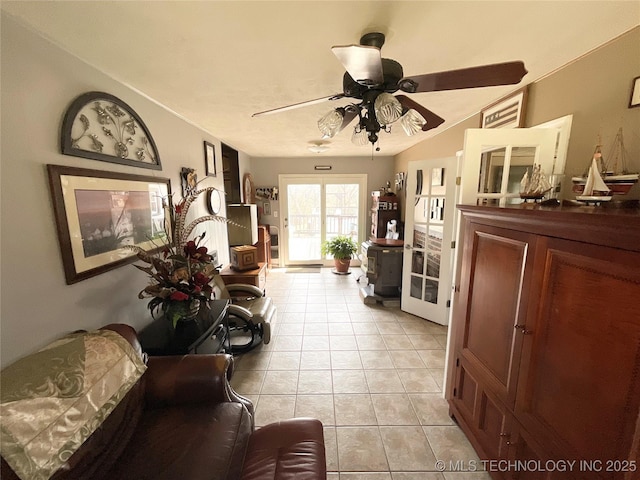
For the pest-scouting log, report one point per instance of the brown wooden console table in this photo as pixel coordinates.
(257, 276)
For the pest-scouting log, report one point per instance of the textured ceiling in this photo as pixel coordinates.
(215, 63)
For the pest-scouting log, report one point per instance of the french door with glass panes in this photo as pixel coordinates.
(316, 208)
(429, 215)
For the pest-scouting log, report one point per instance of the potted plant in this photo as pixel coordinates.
(341, 248)
(182, 272)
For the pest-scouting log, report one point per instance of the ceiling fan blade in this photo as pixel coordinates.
(483, 76)
(298, 105)
(363, 63)
(432, 119)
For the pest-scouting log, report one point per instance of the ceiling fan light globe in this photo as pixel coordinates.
(412, 122)
(387, 108)
(359, 137)
(330, 123)
(318, 148)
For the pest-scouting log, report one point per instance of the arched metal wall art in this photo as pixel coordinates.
(100, 126)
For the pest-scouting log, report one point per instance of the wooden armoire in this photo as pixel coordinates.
(546, 352)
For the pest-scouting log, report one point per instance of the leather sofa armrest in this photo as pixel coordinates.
(190, 379)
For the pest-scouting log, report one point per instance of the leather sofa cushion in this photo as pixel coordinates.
(196, 442)
(286, 450)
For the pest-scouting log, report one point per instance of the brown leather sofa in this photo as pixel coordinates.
(183, 421)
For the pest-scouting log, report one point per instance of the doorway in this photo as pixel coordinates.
(318, 208)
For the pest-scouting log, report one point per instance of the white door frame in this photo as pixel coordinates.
(323, 179)
(435, 312)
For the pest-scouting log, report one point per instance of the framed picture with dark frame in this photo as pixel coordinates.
(98, 212)
(507, 112)
(209, 159)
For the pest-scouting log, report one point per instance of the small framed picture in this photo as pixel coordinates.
(189, 180)
(507, 112)
(209, 159)
(266, 208)
(634, 101)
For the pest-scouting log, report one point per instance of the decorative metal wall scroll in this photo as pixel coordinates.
(103, 127)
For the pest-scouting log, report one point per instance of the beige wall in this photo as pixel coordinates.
(39, 81)
(265, 173)
(595, 89)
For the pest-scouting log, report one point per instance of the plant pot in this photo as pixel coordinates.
(342, 264)
(182, 311)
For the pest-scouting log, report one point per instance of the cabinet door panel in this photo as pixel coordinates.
(465, 394)
(526, 459)
(493, 431)
(485, 416)
(579, 378)
(497, 295)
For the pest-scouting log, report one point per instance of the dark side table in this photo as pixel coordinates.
(208, 333)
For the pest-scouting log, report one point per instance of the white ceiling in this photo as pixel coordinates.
(217, 62)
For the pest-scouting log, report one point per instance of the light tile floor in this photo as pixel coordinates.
(373, 375)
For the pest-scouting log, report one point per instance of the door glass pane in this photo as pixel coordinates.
(422, 211)
(433, 264)
(522, 159)
(304, 221)
(434, 251)
(422, 188)
(342, 204)
(416, 287)
(419, 236)
(435, 238)
(491, 166)
(431, 291)
(417, 262)
(437, 181)
(437, 210)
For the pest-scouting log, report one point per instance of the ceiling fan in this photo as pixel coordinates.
(373, 80)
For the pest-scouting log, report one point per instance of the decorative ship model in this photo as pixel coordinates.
(534, 186)
(595, 189)
(613, 172)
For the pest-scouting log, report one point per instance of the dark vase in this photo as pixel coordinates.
(182, 311)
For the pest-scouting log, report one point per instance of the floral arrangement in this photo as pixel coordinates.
(182, 271)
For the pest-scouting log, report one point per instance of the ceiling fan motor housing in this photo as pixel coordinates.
(372, 39)
(392, 72)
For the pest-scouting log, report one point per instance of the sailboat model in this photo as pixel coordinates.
(613, 171)
(534, 187)
(595, 190)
